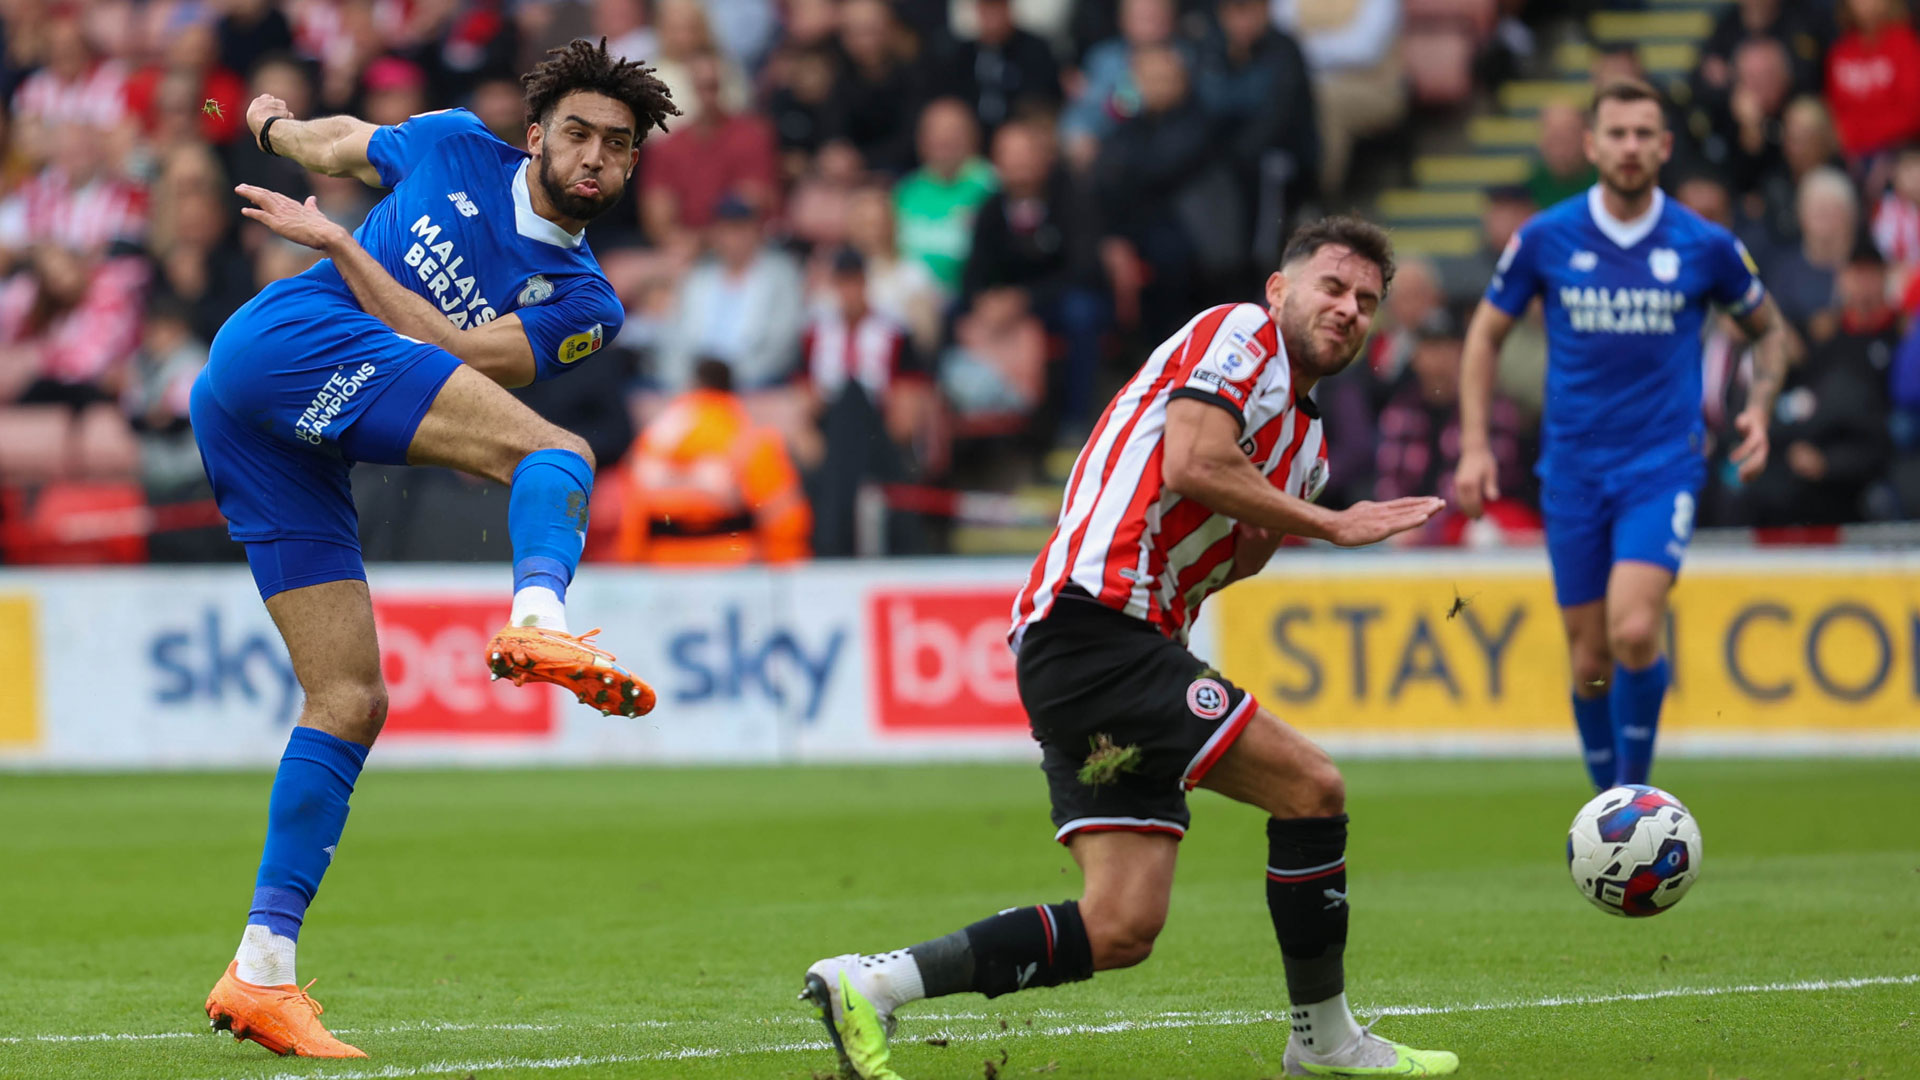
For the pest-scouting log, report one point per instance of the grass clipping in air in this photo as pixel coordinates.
(1106, 761)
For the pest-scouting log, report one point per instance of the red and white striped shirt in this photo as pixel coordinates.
(1122, 535)
(48, 209)
(871, 352)
(97, 98)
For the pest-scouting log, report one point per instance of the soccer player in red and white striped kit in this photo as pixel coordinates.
(1203, 461)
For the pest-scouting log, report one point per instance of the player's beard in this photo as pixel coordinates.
(1309, 349)
(1631, 190)
(577, 207)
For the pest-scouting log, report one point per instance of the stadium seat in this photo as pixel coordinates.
(74, 524)
(34, 443)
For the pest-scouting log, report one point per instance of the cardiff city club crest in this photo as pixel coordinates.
(1665, 264)
(536, 290)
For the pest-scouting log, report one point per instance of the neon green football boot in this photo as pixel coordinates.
(1369, 1055)
(858, 1028)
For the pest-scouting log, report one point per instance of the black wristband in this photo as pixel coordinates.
(266, 138)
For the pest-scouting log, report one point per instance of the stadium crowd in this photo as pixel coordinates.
(912, 241)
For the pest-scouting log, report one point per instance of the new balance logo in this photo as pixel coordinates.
(1583, 261)
(329, 850)
(464, 204)
(1025, 974)
(1335, 898)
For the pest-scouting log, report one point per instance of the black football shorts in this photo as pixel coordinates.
(1096, 681)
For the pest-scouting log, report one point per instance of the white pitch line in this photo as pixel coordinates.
(1160, 1021)
(445, 1025)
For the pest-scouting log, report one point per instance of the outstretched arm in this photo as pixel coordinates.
(332, 145)
(498, 349)
(1203, 462)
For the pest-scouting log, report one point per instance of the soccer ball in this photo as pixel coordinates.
(1634, 850)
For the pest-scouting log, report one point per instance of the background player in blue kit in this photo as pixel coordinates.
(471, 276)
(1627, 278)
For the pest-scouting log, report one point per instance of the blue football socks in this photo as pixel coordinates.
(1637, 697)
(547, 518)
(305, 817)
(1594, 717)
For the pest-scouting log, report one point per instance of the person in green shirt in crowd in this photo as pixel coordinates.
(936, 203)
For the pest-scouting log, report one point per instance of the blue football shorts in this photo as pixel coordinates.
(1631, 515)
(300, 384)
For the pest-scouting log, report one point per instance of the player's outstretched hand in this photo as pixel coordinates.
(1751, 454)
(1476, 481)
(262, 109)
(1371, 522)
(302, 223)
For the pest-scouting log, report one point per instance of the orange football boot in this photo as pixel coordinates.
(281, 1018)
(521, 653)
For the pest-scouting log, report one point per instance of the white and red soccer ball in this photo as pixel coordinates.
(1634, 850)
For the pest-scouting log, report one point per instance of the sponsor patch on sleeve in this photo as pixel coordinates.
(582, 344)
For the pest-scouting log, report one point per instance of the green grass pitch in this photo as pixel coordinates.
(588, 925)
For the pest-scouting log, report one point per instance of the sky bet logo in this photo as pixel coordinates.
(731, 663)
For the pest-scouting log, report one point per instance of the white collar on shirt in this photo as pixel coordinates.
(1624, 233)
(532, 225)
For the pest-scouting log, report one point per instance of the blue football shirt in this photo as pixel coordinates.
(1625, 306)
(460, 230)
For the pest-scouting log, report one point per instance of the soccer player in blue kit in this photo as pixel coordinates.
(473, 275)
(1627, 278)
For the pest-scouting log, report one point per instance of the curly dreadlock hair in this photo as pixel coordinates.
(582, 65)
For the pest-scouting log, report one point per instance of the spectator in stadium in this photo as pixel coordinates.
(710, 154)
(76, 202)
(996, 368)
(393, 89)
(1830, 426)
(800, 104)
(1038, 237)
(1748, 118)
(743, 304)
(1896, 224)
(1561, 170)
(1801, 31)
(876, 415)
(1873, 78)
(1108, 93)
(189, 242)
(75, 88)
(879, 90)
(68, 325)
(497, 102)
(706, 484)
(750, 27)
(685, 35)
(937, 202)
(160, 380)
(1358, 87)
(822, 197)
(1508, 207)
(1769, 214)
(811, 25)
(898, 288)
(1802, 276)
(1419, 431)
(1152, 190)
(1002, 69)
(250, 29)
(190, 69)
(1253, 82)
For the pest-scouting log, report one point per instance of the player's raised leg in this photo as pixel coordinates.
(1274, 767)
(329, 633)
(1592, 665)
(1636, 617)
(1129, 879)
(475, 426)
